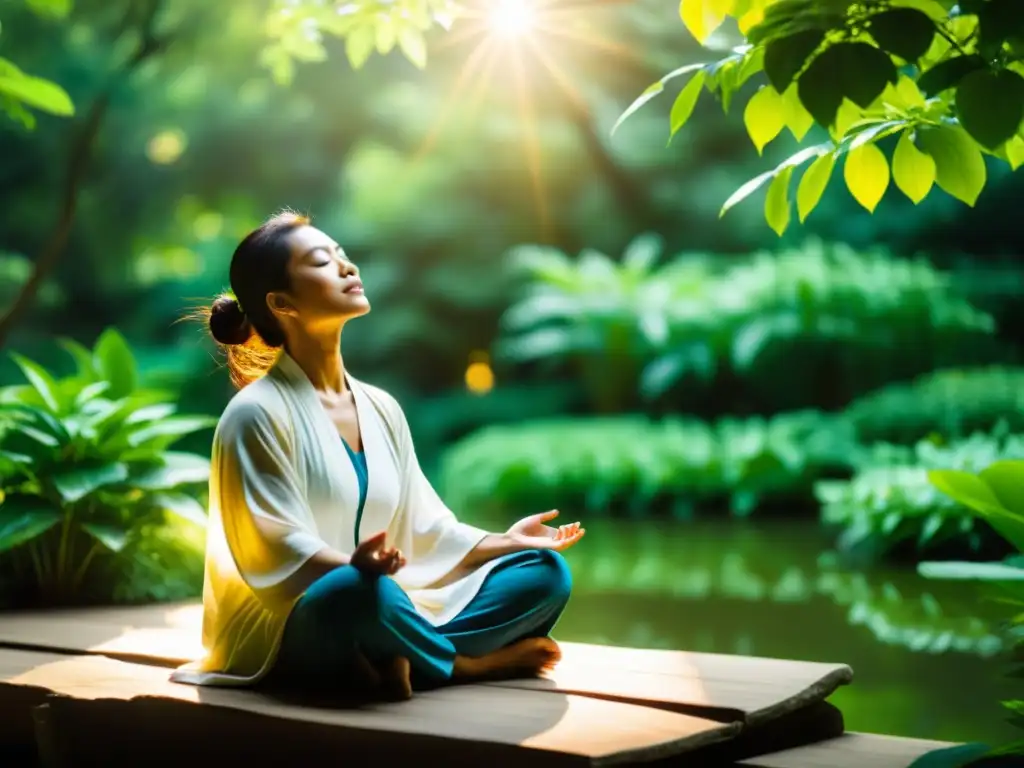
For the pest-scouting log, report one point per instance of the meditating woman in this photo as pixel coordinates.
(330, 560)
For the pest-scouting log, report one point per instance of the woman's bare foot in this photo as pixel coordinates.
(395, 679)
(526, 658)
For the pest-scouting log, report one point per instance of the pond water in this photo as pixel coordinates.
(924, 653)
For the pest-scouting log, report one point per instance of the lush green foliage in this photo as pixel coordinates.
(949, 403)
(946, 78)
(822, 306)
(996, 495)
(890, 503)
(88, 482)
(21, 92)
(641, 466)
(297, 29)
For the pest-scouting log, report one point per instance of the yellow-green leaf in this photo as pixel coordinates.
(912, 170)
(867, 175)
(848, 115)
(385, 34)
(1015, 152)
(776, 202)
(764, 116)
(413, 45)
(813, 183)
(683, 106)
(959, 164)
(797, 119)
(703, 17)
(750, 19)
(37, 92)
(359, 45)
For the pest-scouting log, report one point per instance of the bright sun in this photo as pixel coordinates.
(511, 18)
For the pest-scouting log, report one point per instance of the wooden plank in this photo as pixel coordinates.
(487, 720)
(726, 687)
(717, 686)
(851, 750)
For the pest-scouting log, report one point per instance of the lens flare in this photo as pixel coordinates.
(512, 18)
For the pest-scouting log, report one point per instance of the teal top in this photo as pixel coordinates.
(362, 473)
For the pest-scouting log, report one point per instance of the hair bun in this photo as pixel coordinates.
(228, 324)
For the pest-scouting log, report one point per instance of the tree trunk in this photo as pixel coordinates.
(77, 168)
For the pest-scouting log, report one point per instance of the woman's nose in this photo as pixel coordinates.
(348, 268)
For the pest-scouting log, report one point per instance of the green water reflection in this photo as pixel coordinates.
(925, 658)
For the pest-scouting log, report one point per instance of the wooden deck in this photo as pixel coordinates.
(67, 676)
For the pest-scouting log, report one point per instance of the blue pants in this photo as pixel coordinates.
(347, 612)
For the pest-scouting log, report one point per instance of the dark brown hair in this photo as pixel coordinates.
(240, 321)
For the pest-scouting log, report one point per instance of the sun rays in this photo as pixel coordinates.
(506, 36)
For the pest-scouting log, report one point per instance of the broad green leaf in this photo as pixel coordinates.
(154, 412)
(819, 90)
(703, 17)
(959, 165)
(757, 182)
(109, 536)
(866, 172)
(948, 73)
(1014, 151)
(78, 482)
(38, 93)
(967, 489)
(385, 35)
(359, 44)
(764, 117)
(168, 430)
(797, 119)
(991, 105)
(776, 204)
(784, 57)
(912, 170)
(183, 506)
(685, 102)
(653, 90)
(856, 71)
(813, 184)
(411, 41)
(116, 363)
(968, 571)
(905, 32)
(90, 392)
(22, 521)
(41, 381)
(176, 469)
(86, 366)
(1006, 479)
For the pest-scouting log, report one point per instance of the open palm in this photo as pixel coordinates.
(533, 532)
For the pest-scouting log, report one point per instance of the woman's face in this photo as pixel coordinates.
(325, 285)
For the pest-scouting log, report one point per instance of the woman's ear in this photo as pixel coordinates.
(279, 304)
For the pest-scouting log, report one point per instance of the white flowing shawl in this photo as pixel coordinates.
(282, 487)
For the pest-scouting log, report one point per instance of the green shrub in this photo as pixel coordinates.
(890, 507)
(607, 319)
(88, 482)
(822, 318)
(951, 403)
(994, 494)
(642, 466)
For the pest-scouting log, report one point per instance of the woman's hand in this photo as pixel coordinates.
(371, 556)
(532, 533)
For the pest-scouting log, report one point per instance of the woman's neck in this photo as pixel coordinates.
(320, 359)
